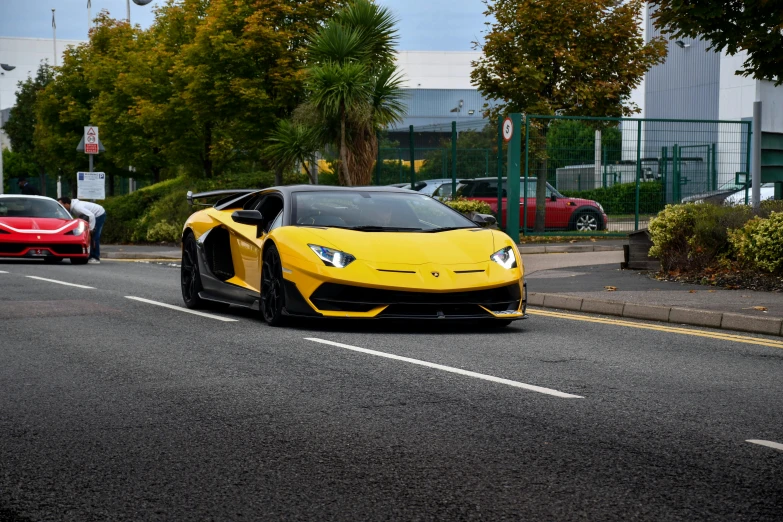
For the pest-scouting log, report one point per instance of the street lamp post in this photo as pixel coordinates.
(3, 67)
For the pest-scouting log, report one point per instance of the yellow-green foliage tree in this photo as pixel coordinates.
(577, 57)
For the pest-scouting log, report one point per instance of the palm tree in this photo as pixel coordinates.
(354, 87)
(292, 144)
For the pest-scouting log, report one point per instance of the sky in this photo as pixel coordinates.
(424, 25)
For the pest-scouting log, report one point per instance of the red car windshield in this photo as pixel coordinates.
(32, 208)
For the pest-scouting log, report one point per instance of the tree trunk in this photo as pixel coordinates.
(278, 176)
(344, 152)
(41, 179)
(156, 174)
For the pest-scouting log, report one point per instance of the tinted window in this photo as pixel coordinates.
(32, 207)
(349, 209)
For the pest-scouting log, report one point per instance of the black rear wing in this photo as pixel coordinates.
(222, 194)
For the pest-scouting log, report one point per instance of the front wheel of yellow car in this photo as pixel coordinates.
(190, 277)
(272, 295)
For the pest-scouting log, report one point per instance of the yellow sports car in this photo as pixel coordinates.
(363, 252)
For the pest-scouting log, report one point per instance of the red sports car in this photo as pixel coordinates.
(39, 227)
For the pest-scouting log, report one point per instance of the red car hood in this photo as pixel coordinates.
(34, 224)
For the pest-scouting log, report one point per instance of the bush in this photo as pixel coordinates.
(621, 198)
(692, 236)
(466, 206)
(759, 244)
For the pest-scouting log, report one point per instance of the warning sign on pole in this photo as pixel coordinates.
(91, 140)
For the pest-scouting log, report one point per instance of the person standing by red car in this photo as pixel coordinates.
(96, 215)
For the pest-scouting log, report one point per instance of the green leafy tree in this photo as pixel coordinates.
(292, 144)
(244, 71)
(733, 26)
(580, 57)
(20, 126)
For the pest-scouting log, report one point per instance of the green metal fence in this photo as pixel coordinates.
(604, 176)
(122, 186)
(611, 175)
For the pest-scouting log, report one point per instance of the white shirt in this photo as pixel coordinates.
(87, 209)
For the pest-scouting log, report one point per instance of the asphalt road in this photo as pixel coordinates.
(119, 409)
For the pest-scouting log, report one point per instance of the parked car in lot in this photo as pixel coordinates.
(39, 227)
(427, 187)
(731, 194)
(562, 213)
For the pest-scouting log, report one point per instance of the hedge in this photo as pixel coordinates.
(621, 198)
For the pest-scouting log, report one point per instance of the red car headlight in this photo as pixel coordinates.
(78, 231)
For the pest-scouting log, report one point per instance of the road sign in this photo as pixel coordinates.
(91, 185)
(91, 140)
(508, 129)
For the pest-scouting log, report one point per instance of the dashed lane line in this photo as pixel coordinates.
(660, 328)
(3, 272)
(181, 309)
(766, 443)
(61, 282)
(459, 371)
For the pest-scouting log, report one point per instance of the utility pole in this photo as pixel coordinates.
(54, 38)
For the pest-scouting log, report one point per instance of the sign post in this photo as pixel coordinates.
(512, 135)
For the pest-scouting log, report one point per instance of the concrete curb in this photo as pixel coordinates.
(567, 249)
(666, 314)
(142, 255)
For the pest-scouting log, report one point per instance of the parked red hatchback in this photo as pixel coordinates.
(562, 213)
(39, 227)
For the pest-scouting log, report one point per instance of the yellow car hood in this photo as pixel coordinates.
(415, 248)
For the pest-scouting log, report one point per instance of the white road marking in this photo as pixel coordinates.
(3, 272)
(181, 309)
(61, 282)
(450, 369)
(766, 443)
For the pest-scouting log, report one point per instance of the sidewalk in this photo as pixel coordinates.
(140, 252)
(580, 283)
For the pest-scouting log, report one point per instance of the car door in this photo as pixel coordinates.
(557, 213)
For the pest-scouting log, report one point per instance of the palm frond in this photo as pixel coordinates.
(335, 87)
(337, 43)
(376, 28)
(291, 143)
(388, 97)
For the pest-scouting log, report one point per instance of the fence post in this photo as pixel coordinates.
(747, 158)
(714, 166)
(413, 153)
(665, 172)
(453, 159)
(512, 179)
(500, 172)
(756, 164)
(638, 170)
(378, 160)
(399, 158)
(527, 168)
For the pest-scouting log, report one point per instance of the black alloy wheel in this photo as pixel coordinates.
(272, 295)
(191, 278)
(588, 221)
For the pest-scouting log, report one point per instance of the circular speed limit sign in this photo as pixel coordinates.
(508, 129)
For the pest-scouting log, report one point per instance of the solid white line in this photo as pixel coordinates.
(450, 369)
(3, 272)
(766, 443)
(181, 309)
(61, 282)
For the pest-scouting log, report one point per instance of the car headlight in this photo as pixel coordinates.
(505, 257)
(333, 257)
(78, 231)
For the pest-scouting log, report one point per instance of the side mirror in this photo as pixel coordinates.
(250, 217)
(553, 198)
(484, 220)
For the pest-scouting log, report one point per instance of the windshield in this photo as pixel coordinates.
(32, 207)
(375, 211)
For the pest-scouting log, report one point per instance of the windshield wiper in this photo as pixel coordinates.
(375, 228)
(446, 229)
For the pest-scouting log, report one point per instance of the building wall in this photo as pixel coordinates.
(433, 107)
(437, 69)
